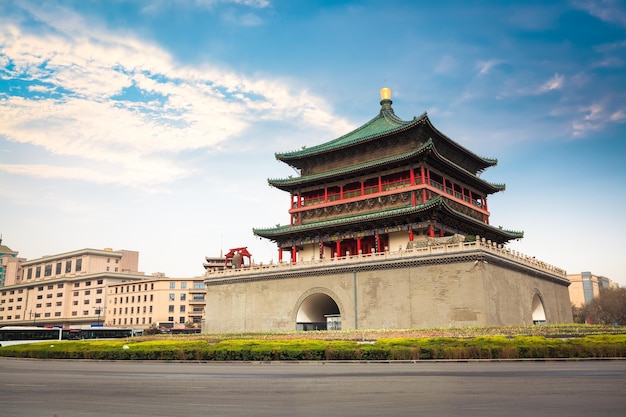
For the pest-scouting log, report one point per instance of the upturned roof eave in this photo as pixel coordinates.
(485, 162)
(288, 184)
(438, 202)
(286, 230)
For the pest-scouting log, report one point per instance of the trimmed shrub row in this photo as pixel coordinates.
(488, 347)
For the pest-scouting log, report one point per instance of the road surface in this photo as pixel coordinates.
(75, 388)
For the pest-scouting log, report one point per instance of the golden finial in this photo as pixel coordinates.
(385, 93)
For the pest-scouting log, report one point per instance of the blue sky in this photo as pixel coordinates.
(152, 125)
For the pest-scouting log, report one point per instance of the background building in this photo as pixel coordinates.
(164, 302)
(9, 263)
(586, 286)
(95, 287)
(67, 289)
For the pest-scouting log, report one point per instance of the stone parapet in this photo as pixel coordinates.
(427, 253)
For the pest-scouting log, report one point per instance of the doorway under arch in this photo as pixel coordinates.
(538, 312)
(318, 311)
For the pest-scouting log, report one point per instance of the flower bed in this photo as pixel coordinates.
(462, 343)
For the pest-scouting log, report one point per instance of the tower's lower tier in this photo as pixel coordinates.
(455, 285)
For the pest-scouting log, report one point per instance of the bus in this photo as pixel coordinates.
(14, 335)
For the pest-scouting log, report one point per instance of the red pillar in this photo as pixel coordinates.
(431, 231)
(424, 183)
(413, 198)
(358, 245)
(422, 175)
(411, 235)
(325, 194)
(380, 184)
(294, 254)
(412, 176)
(338, 248)
(440, 232)
(280, 254)
(486, 209)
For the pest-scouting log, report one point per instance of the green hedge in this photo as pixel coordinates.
(487, 347)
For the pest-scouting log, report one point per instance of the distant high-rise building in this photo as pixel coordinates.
(8, 264)
(586, 286)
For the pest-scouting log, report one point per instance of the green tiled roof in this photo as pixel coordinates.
(287, 183)
(438, 201)
(385, 123)
(346, 170)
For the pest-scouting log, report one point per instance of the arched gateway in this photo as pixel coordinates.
(317, 310)
(539, 314)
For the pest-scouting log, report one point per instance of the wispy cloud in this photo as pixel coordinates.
(485, 66)
(597, 116)
(246, 19)
(123, 104)
(554, 83)
(250, 3)
(612, 11)
(618, 116)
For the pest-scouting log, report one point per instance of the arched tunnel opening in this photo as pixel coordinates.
(318, 312)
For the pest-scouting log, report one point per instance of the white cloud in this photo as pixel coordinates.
(554, 83)
(126, 103)
(618, 116)
(597, 116)
(159, 6)
(611, 11)
(485, 66)
(251, 3)
(48, 171)
(593, 112)
(247, 19)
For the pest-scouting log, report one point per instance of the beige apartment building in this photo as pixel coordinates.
(94, 287)
(68, 289)
(166, 302)
(586, 286)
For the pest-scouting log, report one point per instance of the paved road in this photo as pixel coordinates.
(121, 389)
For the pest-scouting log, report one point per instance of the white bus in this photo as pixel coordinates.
(15, 335)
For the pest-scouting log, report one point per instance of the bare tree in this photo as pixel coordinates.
(608, 308)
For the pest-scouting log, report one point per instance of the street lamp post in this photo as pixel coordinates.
(98, 309)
